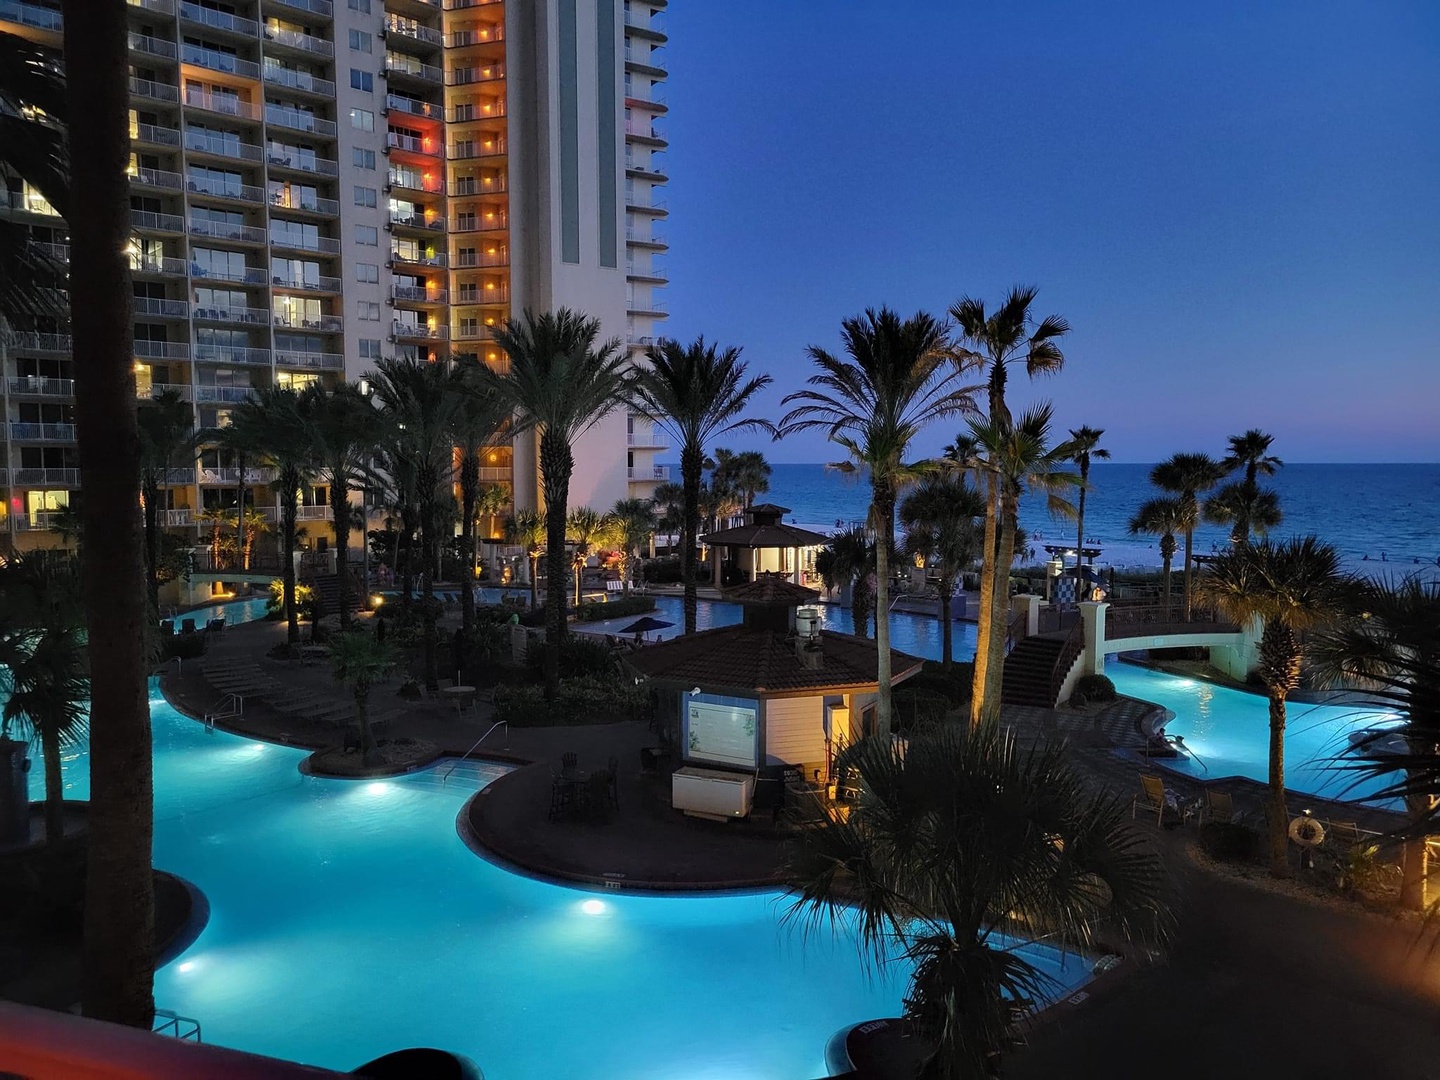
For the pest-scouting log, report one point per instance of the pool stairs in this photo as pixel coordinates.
(454, 775)
(1029, 669)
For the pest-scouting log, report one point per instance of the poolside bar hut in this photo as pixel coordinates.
(769, 699)
(764, 545)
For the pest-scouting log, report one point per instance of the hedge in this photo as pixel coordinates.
(618, 608)
(585, 700)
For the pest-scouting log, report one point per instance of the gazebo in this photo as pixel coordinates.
(764, 544)
(775, 695)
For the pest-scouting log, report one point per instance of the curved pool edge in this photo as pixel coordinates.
(190, 929)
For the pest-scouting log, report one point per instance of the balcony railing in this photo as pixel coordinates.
(29, 341)
(465, 151)
(224, 394)
(161, 350)
(294, 200)
(224, 188)
(409, 28)
(649, 58)
(412, 219)
(161, 178)
(468, 76)
(225, 230)
(651, 439)
(315, 7)
(154, 390)
(322, 244)
(477, 259)
(399, 64)
(40, 386)
(148, 221)
(205, 142)
(59, 477)
(311, 361)
(223, 104)
(165, 309)
(298, 120)
(417, 332)
(645, 473)
(232, 476)
(152, 135)
(248, 315)
(294, 320)
(320, 283)
(155, 91)
(649, 306)
(30, 15)
(232, 354)
(417, 294)
(295, 39)
(479, 222)
(162, 7)
(417, 258)
(245, 275)
(410, 144)
(26, 432)
(143, 43)
(498, 295)
(413, 181)
(413, 106)
(643, 236)
(475, 35)
(215, 60)
(218, 20)
(299, 80)
(289, 157)
(156, 264)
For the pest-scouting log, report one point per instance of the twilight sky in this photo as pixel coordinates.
(1237, 209)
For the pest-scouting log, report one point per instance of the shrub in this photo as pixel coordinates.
(580, 657)
(618, 608)
(662, 571)
(955, 687)
(1078, 699)
(915, 707)
(585, 700)
(1229, 842)
(1095, 688)
(183, 646)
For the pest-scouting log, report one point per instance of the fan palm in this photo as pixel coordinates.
(272, 423)
(420, 403)
(214, 518)
(1291, 587)
(1085, 447)
(562, 380)
(585, 529)
(897, 380)
(342, 426)
(851, 561)
(1387, 646)
(633, 523)
(1243, 504)
(479, 416)
(359, 661)
(1164, 517)
(697, 392)
(991, 343)
(939, 517)
(527, 529)
(234, 446)
(669, 500)
(1013, 457)
(167, 437)
(1186, 476)
(959, 838)
(249, 524)
(746, 473)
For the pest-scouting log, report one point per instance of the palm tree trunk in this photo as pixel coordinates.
(118, 958)
(1277, 816)
(556, 464)
(291, 495)
(54, 784)
(1080, 525)
(431, 649)
(1189, 542)
(985, 617)
(947, 660)
(884, 500)
(534, 557)
(362, 716)
(242, 550)
(692, 466)
(152, 545)
(469, 496)
(404, 555)
(1000, 628)
(340, 522)
(1165, 576)
(860, 603)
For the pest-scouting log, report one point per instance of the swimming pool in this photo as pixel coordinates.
(1228, 732)
(234, 612)
(348, 919)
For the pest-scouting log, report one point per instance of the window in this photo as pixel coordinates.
(368, 235)
(359, 41)
(369, 348)
(366, 196)
(368, 273)
(360, 5)
(363, 159)
(361, 80)
(369, 311)
(363, 119)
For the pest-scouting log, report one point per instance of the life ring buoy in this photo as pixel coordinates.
(1307, 832)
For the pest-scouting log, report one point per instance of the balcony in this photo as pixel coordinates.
(215, 60)
(243, 315)
(56, 253)
(280, 156)
(398, 65)
(645, 97)
(480, 34)
(146, 45)
(172, 519)
(486, 148)
(487, 222)
(157, 178)
(469, 76)
(39, 386)
(310, 204)
(314, 7)
(648, 473)
(295, 39)
(645, 202)
(156, 264)
(416, 219)
(154, 91)
(221, 104)
(647, 440)
(499, 294)
(152, 135)
(224, 188)
(416, 294)
(31, 342)
(232, 476)
(418, 258)
(37, 18)
(416, 332)
(206, 142)
(298, 120)
(322, 245)
(646, 132)
(26, 432)
(160, 7)
(653, 274)
(161, 350)
(311, 361)
(243, 275)
(643, 24)
(408, 180)
(224, 230)
(218, 20)
(229, 395)
(160, 308)
(396, 26)
(147, 221)
(413, 106)
(649, 306)
(232, 354)
(410, 144)
(28, 201)
(648, 60)
(52, 477)
(492, 108)
(154, 390)
(295, 320)
(320, 283)
(466, 5)
(475, 259)
(301, 81)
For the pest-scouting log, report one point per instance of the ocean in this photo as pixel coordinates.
(1382, 518)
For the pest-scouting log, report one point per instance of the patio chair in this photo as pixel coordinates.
(187, 626)
(167, 628)
(613, 795)
(215, 626)
(569, 761)
(1219, 807)
(562, 798)
(1153, 796)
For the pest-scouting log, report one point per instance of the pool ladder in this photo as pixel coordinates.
(176, 1026)
(230, 705)
(445, 776)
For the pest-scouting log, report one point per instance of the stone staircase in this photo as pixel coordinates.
(1030, 671)
(327, 588)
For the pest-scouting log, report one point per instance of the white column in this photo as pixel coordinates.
(1092, 615)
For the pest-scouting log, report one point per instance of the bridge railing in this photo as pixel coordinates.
(1146, 620)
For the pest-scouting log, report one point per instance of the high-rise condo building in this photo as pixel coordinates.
(319, 183)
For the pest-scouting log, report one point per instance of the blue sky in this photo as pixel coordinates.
(1237, 206)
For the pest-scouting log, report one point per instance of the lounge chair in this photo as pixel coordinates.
(215, 626)
(187, 626)
(1154, 796)
(1219, 807)
(167, 628)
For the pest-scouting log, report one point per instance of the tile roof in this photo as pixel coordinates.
(745, 658)
(769, 589)
(765, 536)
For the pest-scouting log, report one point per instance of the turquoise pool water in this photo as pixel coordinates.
(348, 919)
(1228, 732)
(234, 612)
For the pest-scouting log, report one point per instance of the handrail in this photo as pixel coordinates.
(1074, 645)
(231, 704)
(168, 1023)
(445, 776)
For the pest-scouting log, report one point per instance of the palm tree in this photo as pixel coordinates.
(585, 529)
(1387, 646)
(897, 381)
(118, 953)
(1291, 587)
(716, 505)
(1085, 447)
(562, 381)
(360, 661)
(527, 529)
(395, 479)
(1185, 476)
(746, 473)
(697, 392)
(669, 500)
(939, 517)
(341, 425)
(851, 561)
(960, 837)
(991, 344)
(420, 404)
(1013, 457)
(43, 669)
(1243, 504)
(1163, 517)
(167, 435)
(233, 446)
(273, 424)
(633, 521)
(249, 524)
(215, 518)
(479, 416)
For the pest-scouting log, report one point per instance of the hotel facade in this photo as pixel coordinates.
(316, 184)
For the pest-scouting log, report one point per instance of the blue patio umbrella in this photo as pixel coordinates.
(646, 625)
